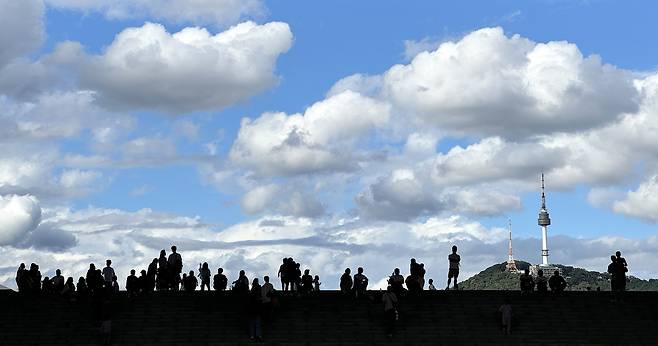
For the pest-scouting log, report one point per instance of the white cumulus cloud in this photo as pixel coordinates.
(19, 215)
(149, 68)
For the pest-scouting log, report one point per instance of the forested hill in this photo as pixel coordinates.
(578, 279)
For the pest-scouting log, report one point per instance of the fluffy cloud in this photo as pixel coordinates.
(213, 12)
(280, 144)
(149, 68)
(19, 215)
(281, 200)
(133, 239)
(490, 84)
(641, 203)
(21, 28)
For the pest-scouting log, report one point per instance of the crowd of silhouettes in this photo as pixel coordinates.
(164, 273)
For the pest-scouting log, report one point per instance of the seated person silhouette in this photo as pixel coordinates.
(346, 282)
(81, 286)
(541, 282)
(132, 284)
(431, 285)
(219, 281)
(557, 282)
(143, 281)
(526, 282)
(307, 282)
(241, 285)
(47, 286)
(396, 281)
(190, 283)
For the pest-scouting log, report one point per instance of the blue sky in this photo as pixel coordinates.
(179, 149)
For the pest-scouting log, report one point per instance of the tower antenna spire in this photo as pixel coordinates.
(511, 265)
(543, 195)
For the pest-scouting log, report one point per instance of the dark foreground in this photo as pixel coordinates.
(327, 318)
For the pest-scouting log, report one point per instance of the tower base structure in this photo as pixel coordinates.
(548, 270)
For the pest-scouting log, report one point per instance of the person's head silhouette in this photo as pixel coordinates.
(220, 270)
(347, 271)
(92, 266)
(58, 272)
(396, 271)
(360, 270)
(306, 272)
(163, 253)
(254, 282)
(173, 248)
(413, 260)
(267, 278)
(241, 272)
(191, 273)
(556, 273)
(155, 261)
(618, 253)
(132, 272)
(454, 249)
(613, 258)
(108, 262)
(205, 265)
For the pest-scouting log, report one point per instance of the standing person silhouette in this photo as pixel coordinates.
(108, 273)
(453, 269)
(204, 275)
(346, 282)
(175, 266)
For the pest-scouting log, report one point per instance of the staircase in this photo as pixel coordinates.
(328, 318)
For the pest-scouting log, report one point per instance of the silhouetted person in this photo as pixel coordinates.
(617, 273)
(175, 267)
(69, 288)
(620, 259)
(241, 285)
(254, 310)
(143, 281)
(431, 285)
(346, 282)
(34, 278)
(453, 269)
(151, 274)
(307, 282)
(115, 285)
(220, 280)
(390, 301)
(204, 275)
(557, 282)
(297, 276)
(267, 292)
(132, 284)
(316, 283)
(283, 268)
(421, 276)
(360, 283)
(191, 282)
(412, 284)
(396, 281)
(108, 273)
(623, 269)
(506, 316)
(91, 277)
(47, 286)
(164, 278)
(541, 282)
(58, 281)
(81, 286)
(526, 282)
(21, 278)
